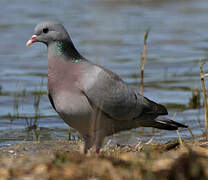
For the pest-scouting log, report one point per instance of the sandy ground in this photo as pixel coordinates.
(65, 160)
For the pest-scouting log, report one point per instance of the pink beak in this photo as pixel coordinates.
(31, 40)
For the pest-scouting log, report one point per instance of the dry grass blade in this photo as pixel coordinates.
(143, 60)
(192, 135)
(179, 136)
(205, 99)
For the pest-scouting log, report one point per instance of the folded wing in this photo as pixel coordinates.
(113, 97)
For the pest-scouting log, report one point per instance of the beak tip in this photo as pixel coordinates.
(28, 43)
(32, 40)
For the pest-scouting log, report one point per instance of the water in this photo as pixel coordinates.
(111, 34)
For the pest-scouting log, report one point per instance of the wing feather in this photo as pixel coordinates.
(110, 94)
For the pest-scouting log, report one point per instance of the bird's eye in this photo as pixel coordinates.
(45, 30)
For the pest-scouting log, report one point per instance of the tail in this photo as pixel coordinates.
(163, 123)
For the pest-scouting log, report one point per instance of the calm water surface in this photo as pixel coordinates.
(109, 33)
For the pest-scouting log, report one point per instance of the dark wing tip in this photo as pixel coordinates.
(159, 109)
(172, 124)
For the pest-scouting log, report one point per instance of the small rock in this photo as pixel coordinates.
(11, 151)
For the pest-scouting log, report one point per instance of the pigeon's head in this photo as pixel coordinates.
(47, 32)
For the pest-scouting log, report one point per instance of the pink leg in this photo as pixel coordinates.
(99, 142)
(97, 150)
(88, 143)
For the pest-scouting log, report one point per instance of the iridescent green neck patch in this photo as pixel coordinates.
(59, 48)
(76, 60)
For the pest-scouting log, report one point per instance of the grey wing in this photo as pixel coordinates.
(110, 94)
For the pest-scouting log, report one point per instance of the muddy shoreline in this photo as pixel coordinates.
(65, 160)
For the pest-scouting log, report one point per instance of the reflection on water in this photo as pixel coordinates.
(111, 34)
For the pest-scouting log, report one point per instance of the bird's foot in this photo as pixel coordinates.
(97, 150)
(85, 151)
